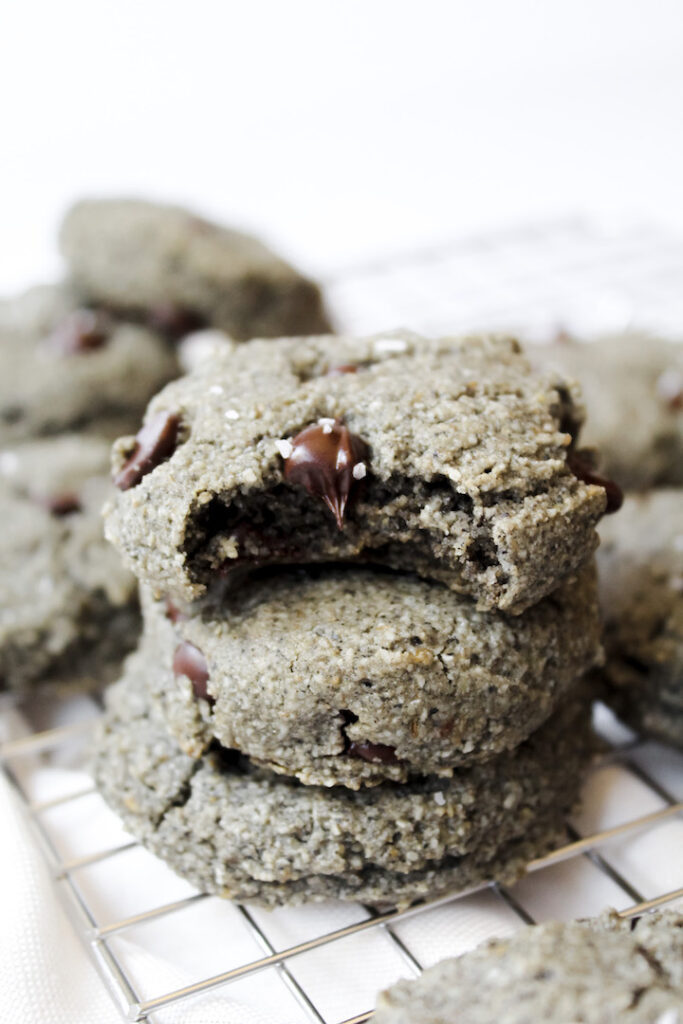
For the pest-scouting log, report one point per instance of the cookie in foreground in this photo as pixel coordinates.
(246, 834)
(69, 613)
(171, 266)
(348, 676)
(607, 969)
(447, 458)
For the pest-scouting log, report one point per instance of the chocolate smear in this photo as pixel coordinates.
(337, 371)
(154, 443)
(189, 661)
(326, 459)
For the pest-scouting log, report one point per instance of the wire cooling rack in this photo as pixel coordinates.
(324, 963)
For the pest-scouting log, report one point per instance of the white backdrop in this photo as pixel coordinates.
(339, 129)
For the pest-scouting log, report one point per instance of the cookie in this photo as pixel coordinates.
(161, 261)
(641, 592)
(64, 367)
(69, 609)
(243, 833)
(633, 388)
(446, 458)
(594, 971)
(351, 676)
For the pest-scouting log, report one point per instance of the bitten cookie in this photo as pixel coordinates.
(69, 609)
(351, 677)
(243, 833)
(641, 592)
(594, 971)
(64, 367)
(633, 388)
(150, 259)
(447, 458)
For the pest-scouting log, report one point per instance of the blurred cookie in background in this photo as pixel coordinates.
(69, 609)
(180, 272)
(640, 559)
(632, 386)
(67, 367)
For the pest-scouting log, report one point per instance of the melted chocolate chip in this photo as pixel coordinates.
(173, 320)
(155, 442)
(189, 661)
(337, 371)
(83, 330)
(327, 459)
(583, 470)
(376, 753)
(62, 504)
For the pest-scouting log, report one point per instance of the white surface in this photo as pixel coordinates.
(340, 129)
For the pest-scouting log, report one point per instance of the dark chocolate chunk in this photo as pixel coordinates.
(62, 504)
(326, 459)
(83, 330)
(155, 442)
(376, 753)
(580, 465)
(189, 661)
(173, 320)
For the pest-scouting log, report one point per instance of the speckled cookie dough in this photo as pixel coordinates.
(596, 971)
(68, 613)
(144, 258)
(633, 389)
(446, 458)
(245, 834)
(64, 367)
(641, 592)
(351, 677)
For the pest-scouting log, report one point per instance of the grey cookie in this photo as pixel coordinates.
(633, 388)
(144, 258)
(66, 368)
(351, 677)
(69, 609)
(447, 458)
(596, 971)
(641, 592)
(242, 833)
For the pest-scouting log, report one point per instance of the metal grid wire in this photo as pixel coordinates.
(536, 281)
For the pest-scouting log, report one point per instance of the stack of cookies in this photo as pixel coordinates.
(369, 601)
(79, 361)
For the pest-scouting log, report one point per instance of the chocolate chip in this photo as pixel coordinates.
(189, 661)
(83, 330)
(174, 613)
(62, 504)
(376, 753)
(337, 371)
(154, 443)
(326, 459)
(174, 320)
(580, 465)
